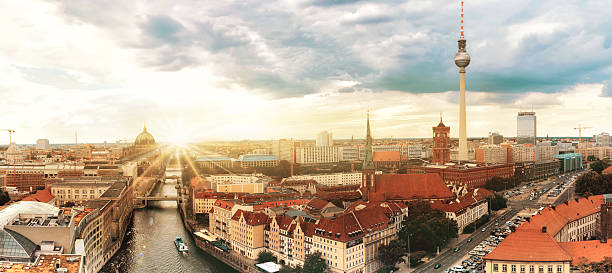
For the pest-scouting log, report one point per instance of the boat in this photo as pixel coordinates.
(180, 245)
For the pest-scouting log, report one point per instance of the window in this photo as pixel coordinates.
(513, 268)
(522, 269)
(559, 268)
(531, 269)
(550, 269)
(540, 269)
(505, 268)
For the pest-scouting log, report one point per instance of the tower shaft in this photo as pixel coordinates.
(463, 149)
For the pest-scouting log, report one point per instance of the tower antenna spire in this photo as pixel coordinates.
(461, 37)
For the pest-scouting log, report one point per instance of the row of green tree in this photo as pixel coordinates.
(497, 183)
(312, 264)
(599, 165)
(592, 183)
(424, 231)
(498, 202)
(476, 224)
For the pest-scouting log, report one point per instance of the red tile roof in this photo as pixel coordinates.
(228, 205)
(251, 218)
(472, 197)
(531, 246)
(317, 204)
(592, 251)
(387, 156)
(357, 221)
(412, 186)
(41, 196)
(555, 218)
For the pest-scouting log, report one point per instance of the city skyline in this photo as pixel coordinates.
(231, 72)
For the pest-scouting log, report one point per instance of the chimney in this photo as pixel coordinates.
(544, 229)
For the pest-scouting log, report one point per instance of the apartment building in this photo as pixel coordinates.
(467, 208)
(331, 179)
(317, 154)
(247, 232)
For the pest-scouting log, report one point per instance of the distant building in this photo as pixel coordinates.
(526, 132)
(603, 140)
(324, 138)
(492, 154)
(284, 149)
(495, 138)
(569, 162)
(253, 161)
(216, 161)
(317, 154)
(349, 153)
(42, 144)
(522, 153)
(545, 153)
(468, 175)
(441, 144)
(332, 179)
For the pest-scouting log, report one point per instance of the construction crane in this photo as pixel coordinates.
(11, 132)
(580, 128)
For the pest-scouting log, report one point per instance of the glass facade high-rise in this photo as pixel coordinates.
(526, 128)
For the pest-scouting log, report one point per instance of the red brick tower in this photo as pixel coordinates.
(441, 141)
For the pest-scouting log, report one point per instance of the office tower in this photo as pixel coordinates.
(526, 128)
(324, 138)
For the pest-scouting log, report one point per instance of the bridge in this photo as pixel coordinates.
(156, 198)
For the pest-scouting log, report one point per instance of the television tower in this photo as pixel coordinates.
(462, 60)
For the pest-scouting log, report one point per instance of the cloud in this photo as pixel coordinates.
(297, 65)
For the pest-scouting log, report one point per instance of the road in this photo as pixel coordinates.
(448, 258)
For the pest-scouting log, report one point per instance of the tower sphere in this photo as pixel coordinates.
(462, 59)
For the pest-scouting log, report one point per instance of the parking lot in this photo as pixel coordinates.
(473, 262)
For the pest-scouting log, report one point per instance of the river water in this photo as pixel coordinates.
(149, 243)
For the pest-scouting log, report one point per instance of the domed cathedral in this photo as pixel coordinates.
(144, 141)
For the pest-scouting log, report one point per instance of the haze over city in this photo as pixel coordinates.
(231, 70)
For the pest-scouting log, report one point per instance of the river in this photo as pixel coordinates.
(149, 243)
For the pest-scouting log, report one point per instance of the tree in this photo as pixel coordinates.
(592, 183)
(426, 229)
(391, 254)
(586, 267)
(598, 166)
(498, 202)
(314, 263)
(265, 256)
(4, 198)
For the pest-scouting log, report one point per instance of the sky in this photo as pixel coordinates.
(215, 70)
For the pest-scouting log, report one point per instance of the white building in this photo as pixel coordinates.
(42, 144)
(284, 149)
(331, 179)
(492, 154)
(317, 154)
(324, 138)
(349, 153)
(545, 153)
(603, 140)
(523, 153)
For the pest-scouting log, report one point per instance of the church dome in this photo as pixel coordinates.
(144, 138)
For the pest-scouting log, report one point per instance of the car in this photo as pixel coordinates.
(483, 229)
(469, 240)
(436, 266)
(456, 249)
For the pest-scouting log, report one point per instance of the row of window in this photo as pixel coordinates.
(522, 268)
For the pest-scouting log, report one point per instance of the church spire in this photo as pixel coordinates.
(368, 162)
(145, 126)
